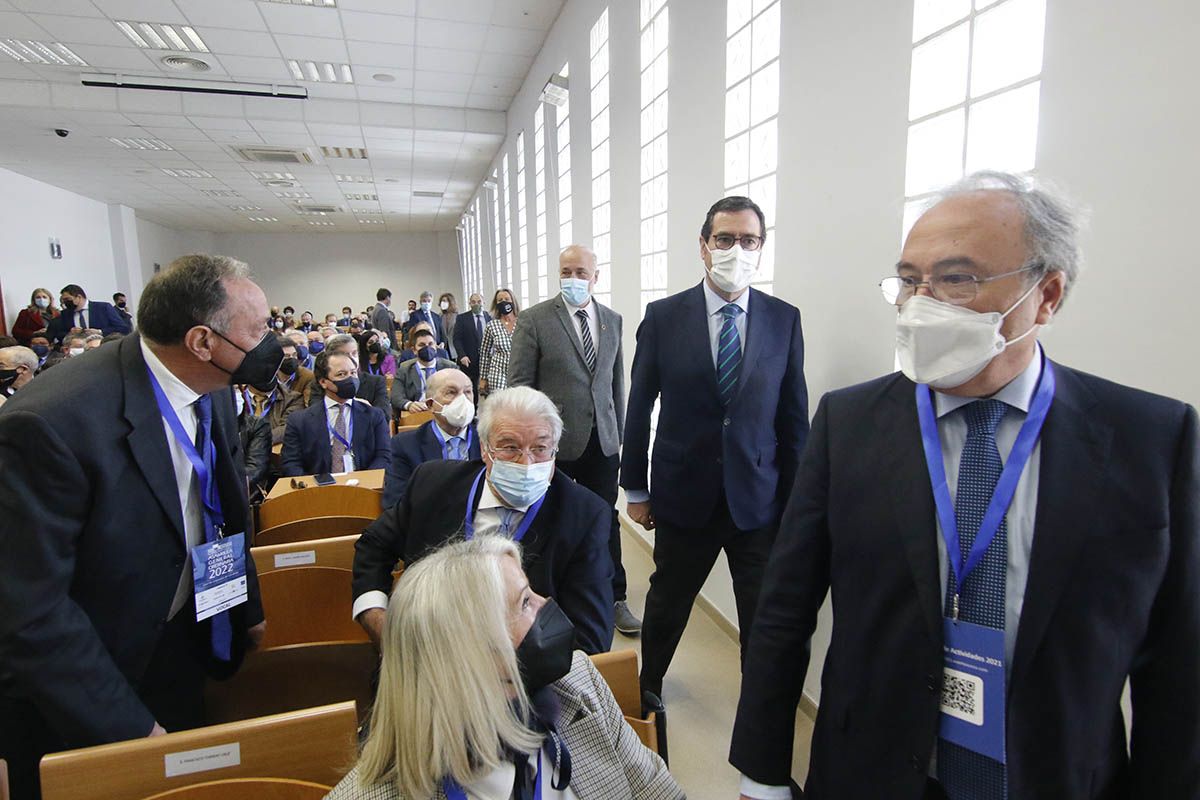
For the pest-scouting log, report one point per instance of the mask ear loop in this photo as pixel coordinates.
(1011, 308)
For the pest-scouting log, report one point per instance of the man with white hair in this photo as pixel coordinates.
(17, 367)
(513, 491)
(1007, 541)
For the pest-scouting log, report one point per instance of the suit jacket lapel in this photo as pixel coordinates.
(431, 448)
(564, 316)
(148, 438)
(1074, 450)
(590, 776)
(606, 348)
(695, 329)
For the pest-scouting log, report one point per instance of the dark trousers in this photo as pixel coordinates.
(172, 689)
(683, 558)
(598, 472)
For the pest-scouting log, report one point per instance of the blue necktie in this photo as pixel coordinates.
(222, 629)
(453, 451)
(479, 326)
(506, 522)
(729, 354)
(964, 774)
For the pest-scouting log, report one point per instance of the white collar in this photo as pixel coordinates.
(713, 302)
(178, 393)
(489, 499)
(1018, 393)
(331, 404)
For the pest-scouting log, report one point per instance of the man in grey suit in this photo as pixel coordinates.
(382, 319)
(408, 388)
(570, 348)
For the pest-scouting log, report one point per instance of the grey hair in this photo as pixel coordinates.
(17, 355)
(74, 337)
(189, 292)
(342, 340)
(519, 401)
(93, 337)
(1052, 223)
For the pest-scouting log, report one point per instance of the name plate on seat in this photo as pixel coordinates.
(202, 760)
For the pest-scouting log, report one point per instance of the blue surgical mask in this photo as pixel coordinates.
(302, 352)
(575, 291)
(316, 347)
(426, 305)
(520, 485)
(41, 350)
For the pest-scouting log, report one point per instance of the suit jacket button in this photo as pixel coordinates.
(916, 764)
(726, 422)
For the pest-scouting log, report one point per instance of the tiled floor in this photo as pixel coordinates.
(701, 694)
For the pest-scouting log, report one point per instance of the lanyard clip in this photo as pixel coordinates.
(954, 608)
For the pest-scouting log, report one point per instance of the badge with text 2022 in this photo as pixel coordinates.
(972, 703)
(219, 573)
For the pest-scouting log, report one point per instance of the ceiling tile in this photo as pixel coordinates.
(536, 14)
(274, 108)
(142, 10)
(234, 14)
(175, 121)
(18, 26)
(440, 60)
(514, 41)
(453, 35)
(381, 95)
(13, 70)
(504, 66)
(387, 28)
(490, 84)
(301, 20)
(223, 41)
(115, 57)
(139, 101)
(76, 8)
(462, 10)
(442, 82)
(81, 30)
(252, 67)
(491, 102)
(454, 99)
(95, 97)
(331, 91)
(24, 93)
(313, 48)
(396, 55)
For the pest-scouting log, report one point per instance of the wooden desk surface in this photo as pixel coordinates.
(367, 478)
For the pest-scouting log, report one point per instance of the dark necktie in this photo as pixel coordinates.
(337, 447)
(479, 326)
(729, 354)
(585, 332)
(222, 628)
(963, 773)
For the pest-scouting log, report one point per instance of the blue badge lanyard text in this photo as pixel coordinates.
(469, 520)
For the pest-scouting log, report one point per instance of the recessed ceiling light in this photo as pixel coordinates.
(294, 195)
(318, 222)
(273, 176)
(371, 221)
(262, 219)
(140, 144)
(28, 51)
(187, 173)
(185, 63)
(344, 152)
(384, 77)
(220, 193)
(245, 208)
(314, 3)
(162, 36)
(354, 179)
(432, 195)
(320, 71)
(281, 183)
(362, 197)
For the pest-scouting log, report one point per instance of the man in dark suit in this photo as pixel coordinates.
(424, 313)
(570, 348)
(79, 312)
(410, 386)
(1082, 577)
(514, 492)
(99, 640)
(450, 435)
(726, 363)
(382, 319)
(293, 376)
(372, 388)
(468, 335)
(337, 433)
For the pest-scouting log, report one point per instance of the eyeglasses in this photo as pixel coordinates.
(724, 241)
(534, 455)
(955, 288)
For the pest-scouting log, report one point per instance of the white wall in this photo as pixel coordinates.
(161, 245)
(31, 213)
(322, 272)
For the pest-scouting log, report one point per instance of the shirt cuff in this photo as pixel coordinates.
(368, 600)
(761, 791)
(637, 495)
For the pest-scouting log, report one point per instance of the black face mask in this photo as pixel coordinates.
(427, 354)
(376, 348)
(121, 304)
(68, 305)
(259, 364)
(7, 377)
(544, 655)
(41, 350)
(266, 387)
(346, 387)
(289, 366)
(504, 308)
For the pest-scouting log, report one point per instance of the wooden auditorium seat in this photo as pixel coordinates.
(320, 501)
(304, 530)
(619, 669)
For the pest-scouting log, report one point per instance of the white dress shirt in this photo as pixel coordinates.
(181, 397)
(331, 413)
(498, 785)
(593, 322)
(82, 317)
(713, 303)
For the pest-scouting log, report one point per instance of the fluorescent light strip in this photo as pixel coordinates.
(141, 144)
(362, 197)
(371, 221)
(219, 193)
(262, 219)
(187, 173)
(245, 208)
(28, 51)
(344, 152)
(318, 222)
(313, 3)
(320, 71)
(162, 36)
(274, 176)
(294, 195)
(355, 178)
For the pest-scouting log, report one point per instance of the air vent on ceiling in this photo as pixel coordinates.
(344, 152)
(185, 63)
(312, 208)
(437, 195)
(274, 155)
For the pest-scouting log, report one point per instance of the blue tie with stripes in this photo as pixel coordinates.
(729, 354)
(964, 774)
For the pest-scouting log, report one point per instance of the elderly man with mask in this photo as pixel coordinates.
(1007, 541)
(450, 435)
(513, 491)
(105, 633)
(17, 367)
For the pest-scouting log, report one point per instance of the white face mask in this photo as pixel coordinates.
(42, 302)
(444, 305)
(75, 351)
(240, 401)
(520, 485)
(733, 269)
(945, 345)
(458, 412)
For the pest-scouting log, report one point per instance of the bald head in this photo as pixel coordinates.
(575, 255)
(447, 377)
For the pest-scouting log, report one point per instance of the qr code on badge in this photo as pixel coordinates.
(962, 696)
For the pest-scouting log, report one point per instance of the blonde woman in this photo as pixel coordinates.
(497, 343)
(481, 697)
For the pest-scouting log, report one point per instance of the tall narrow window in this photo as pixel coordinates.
(654, 150)
(478, 219)
(497, 194)
(752, 114)
(506, 251)
(601, 195)
(522, 221)
(973, 93)
(566, 235)
(539, 196)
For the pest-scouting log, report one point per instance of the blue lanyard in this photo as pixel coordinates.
(455, 792)
(349, 426)
(437, 431)
(204, 467)
(469, 521)
(266, 409)
(1006, 487)
(374, 368)
(421, 374)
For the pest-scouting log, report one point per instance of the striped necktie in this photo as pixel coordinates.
(963, 773)
(585, 332)
(337, 449)
(729, 354)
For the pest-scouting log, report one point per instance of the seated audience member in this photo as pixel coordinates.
(516, 492)
(255, 434)
(303, 356)
(519, 713)
(80, 313)
(316, 342)
(409, 387)
(372, 388)
(93, 340)
(121, 304)
(345, 320)
(450, 435)
(327, 333)
(292, 376)
(409, 352)
(34, 319)
(275, 404)
(40, 345)
(289, 318)
(306, 322)
(355, 327)
(74, 344)
(18, 365)
(336, 433)
(277, 323)
(373, 357)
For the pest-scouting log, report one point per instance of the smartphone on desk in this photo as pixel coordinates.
(324, 479)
